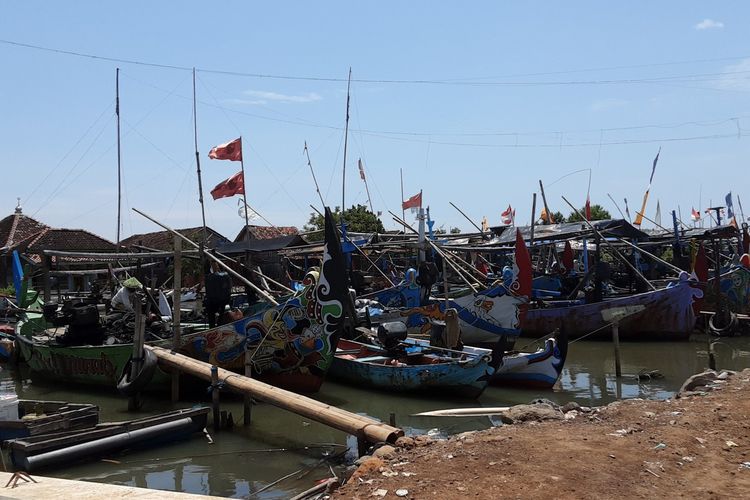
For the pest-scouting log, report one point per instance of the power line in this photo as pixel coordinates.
(445, 82)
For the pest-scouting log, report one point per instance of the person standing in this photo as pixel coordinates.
(218, 294)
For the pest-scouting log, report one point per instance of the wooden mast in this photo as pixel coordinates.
(315, 180)
(346, 138)
(119, 165)
(198, 163)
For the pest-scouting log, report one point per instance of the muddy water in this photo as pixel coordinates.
(246, 461)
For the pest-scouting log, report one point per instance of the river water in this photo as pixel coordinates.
(247, 461)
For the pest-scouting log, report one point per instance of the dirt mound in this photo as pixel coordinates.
(694, 447)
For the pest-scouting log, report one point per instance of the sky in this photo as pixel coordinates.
(474, 102)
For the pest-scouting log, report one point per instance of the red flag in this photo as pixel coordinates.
(361, 170)
(413, 202)
(588, 208)
(508, 215)
(230, 187)
(567, 257)
(230, 151)
(696, 215)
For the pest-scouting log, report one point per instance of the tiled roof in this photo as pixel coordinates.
(69, 240)
(163, 240)
(18, 227)
(267, 232)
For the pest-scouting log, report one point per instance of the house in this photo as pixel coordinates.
(164, 240)
(30, 238)
(265, 232)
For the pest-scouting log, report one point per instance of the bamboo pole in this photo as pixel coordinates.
(176, 313)
(443, 254)
(212, 257)
(138, 340)
(369, 428)
(604, 240)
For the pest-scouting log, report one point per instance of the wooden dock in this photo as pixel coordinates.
(64, 489)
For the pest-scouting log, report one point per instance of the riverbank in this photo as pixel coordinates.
(696, 445)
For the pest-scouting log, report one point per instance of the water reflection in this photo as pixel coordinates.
(234, 466)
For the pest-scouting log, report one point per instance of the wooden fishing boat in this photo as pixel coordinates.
(489, 318)
(56, 449)
(416, 368)
(538, 370)
(664, 314)
(292, 344)
(42, 417)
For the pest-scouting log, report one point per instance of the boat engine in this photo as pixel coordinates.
(84, 326)
(391, 334)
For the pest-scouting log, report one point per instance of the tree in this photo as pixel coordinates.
(558, 217)
(598, 212)
(455, 230)
(358, 219)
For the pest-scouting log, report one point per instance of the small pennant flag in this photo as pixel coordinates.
(230, 187)
(230, 151)
(361, 170)
(588, 208)
(508, 215)
(695, 215)
(730, 206)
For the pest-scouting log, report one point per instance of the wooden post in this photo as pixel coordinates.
(392, 419)
(176, 304)
(215, 396)
(248, 399)
(46, 260)
(616, 340)
(134, 402)
(711, 352)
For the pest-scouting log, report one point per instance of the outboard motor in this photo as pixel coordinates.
(85, 327)
(391, 334)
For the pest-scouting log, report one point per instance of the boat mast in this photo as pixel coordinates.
(346, 137)
(119, 166)
(198, 163)
(317, 188)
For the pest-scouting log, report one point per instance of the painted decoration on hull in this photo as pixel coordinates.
(299, 335)
(487, 314)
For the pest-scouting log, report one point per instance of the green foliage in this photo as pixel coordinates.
(558, 217)
(358, 219)
(8, 291)
(455, 230)
(668, 255)
(440, 230)
(598, 212)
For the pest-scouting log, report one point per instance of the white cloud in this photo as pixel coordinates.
(263, 96)
(608, 104)
(708, 24)
(735, 77)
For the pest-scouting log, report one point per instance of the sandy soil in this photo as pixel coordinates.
(690, 447)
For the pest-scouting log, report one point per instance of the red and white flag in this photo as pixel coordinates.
(231, 151)
(361, 170)
(508, 215)
(230, 187)
(696, 215)
(413, 202)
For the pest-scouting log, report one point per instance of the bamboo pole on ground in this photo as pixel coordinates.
(363, 427)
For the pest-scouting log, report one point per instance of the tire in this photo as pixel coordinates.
(725, 331)
(130, 387)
